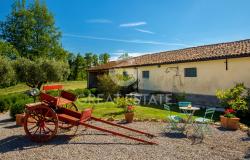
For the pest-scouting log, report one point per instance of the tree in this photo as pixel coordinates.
(31, 30)
(89, 59)
(71, 60)
(8, 50)
(95, 61)
(78, 71)
(35, 73)
(104, 58)
(7, 73)
(124, 56)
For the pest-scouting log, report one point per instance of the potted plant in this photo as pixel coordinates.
(129, 113)
(229, 120)
(128, 106)
(233, 99)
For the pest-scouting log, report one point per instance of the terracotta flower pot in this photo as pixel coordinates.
(229, 123)
(129, 117)
(20, 119)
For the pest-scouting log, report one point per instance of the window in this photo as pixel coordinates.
(125, 73)
(190, 72)
(145, 74)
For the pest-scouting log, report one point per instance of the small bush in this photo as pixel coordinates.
(81, 92)
(107, 86)
(235, 98)
(122, 102)
(4, 106)
(7, 101)
(93, 91)
(178, 97)
(17, 108)
(86, 92)
(78, 91)
(53, 92)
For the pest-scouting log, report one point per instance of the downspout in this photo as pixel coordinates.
(137, 83)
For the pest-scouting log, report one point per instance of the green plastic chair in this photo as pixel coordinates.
(202, 123)
(208, 117)
(185, 104)
(173, 120)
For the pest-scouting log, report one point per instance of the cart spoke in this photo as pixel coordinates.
(45, 130)
(36, 130)
(32, 127)
(41, 123)
(33, 116)
(31, 121)
(48, 129)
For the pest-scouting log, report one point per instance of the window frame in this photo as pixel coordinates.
(147, 73)
(190, 72)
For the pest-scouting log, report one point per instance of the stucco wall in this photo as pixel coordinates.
(211, 75)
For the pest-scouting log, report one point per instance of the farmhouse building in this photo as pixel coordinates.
(197, 71)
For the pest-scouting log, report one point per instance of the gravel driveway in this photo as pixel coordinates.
(93, 144)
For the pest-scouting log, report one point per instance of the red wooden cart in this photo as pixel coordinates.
(42, 119)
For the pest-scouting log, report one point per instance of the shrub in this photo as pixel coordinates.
(93, 91)
(86, 92)
(4, 106)
(7, 101)
(81, 92)
(78, 91)
(107, 87)
(123, 102)
(234, 98)
(17, 108)
(53, 92)
(178, 97)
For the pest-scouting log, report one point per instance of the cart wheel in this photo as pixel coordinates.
(64, 125)
(40, 123)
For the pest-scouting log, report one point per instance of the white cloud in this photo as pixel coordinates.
(98, 21)
(144, 31)
(133, 24)
(137, 41)
(116, 54)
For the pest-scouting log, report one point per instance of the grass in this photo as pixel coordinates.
(109, 109)
(142, 112)
(23, 87)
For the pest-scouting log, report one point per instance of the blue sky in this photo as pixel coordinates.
(145, 26)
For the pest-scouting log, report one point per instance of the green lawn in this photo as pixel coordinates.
(22, 87)
(109, 109)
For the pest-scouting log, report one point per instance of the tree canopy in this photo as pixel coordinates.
(35, 73)
(124, 56)
(32, 31)
(104, 58)
(31, 50)
(8, 50)
(7, 72)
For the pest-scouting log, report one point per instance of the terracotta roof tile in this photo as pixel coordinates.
(200, 53)
(106, 66)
